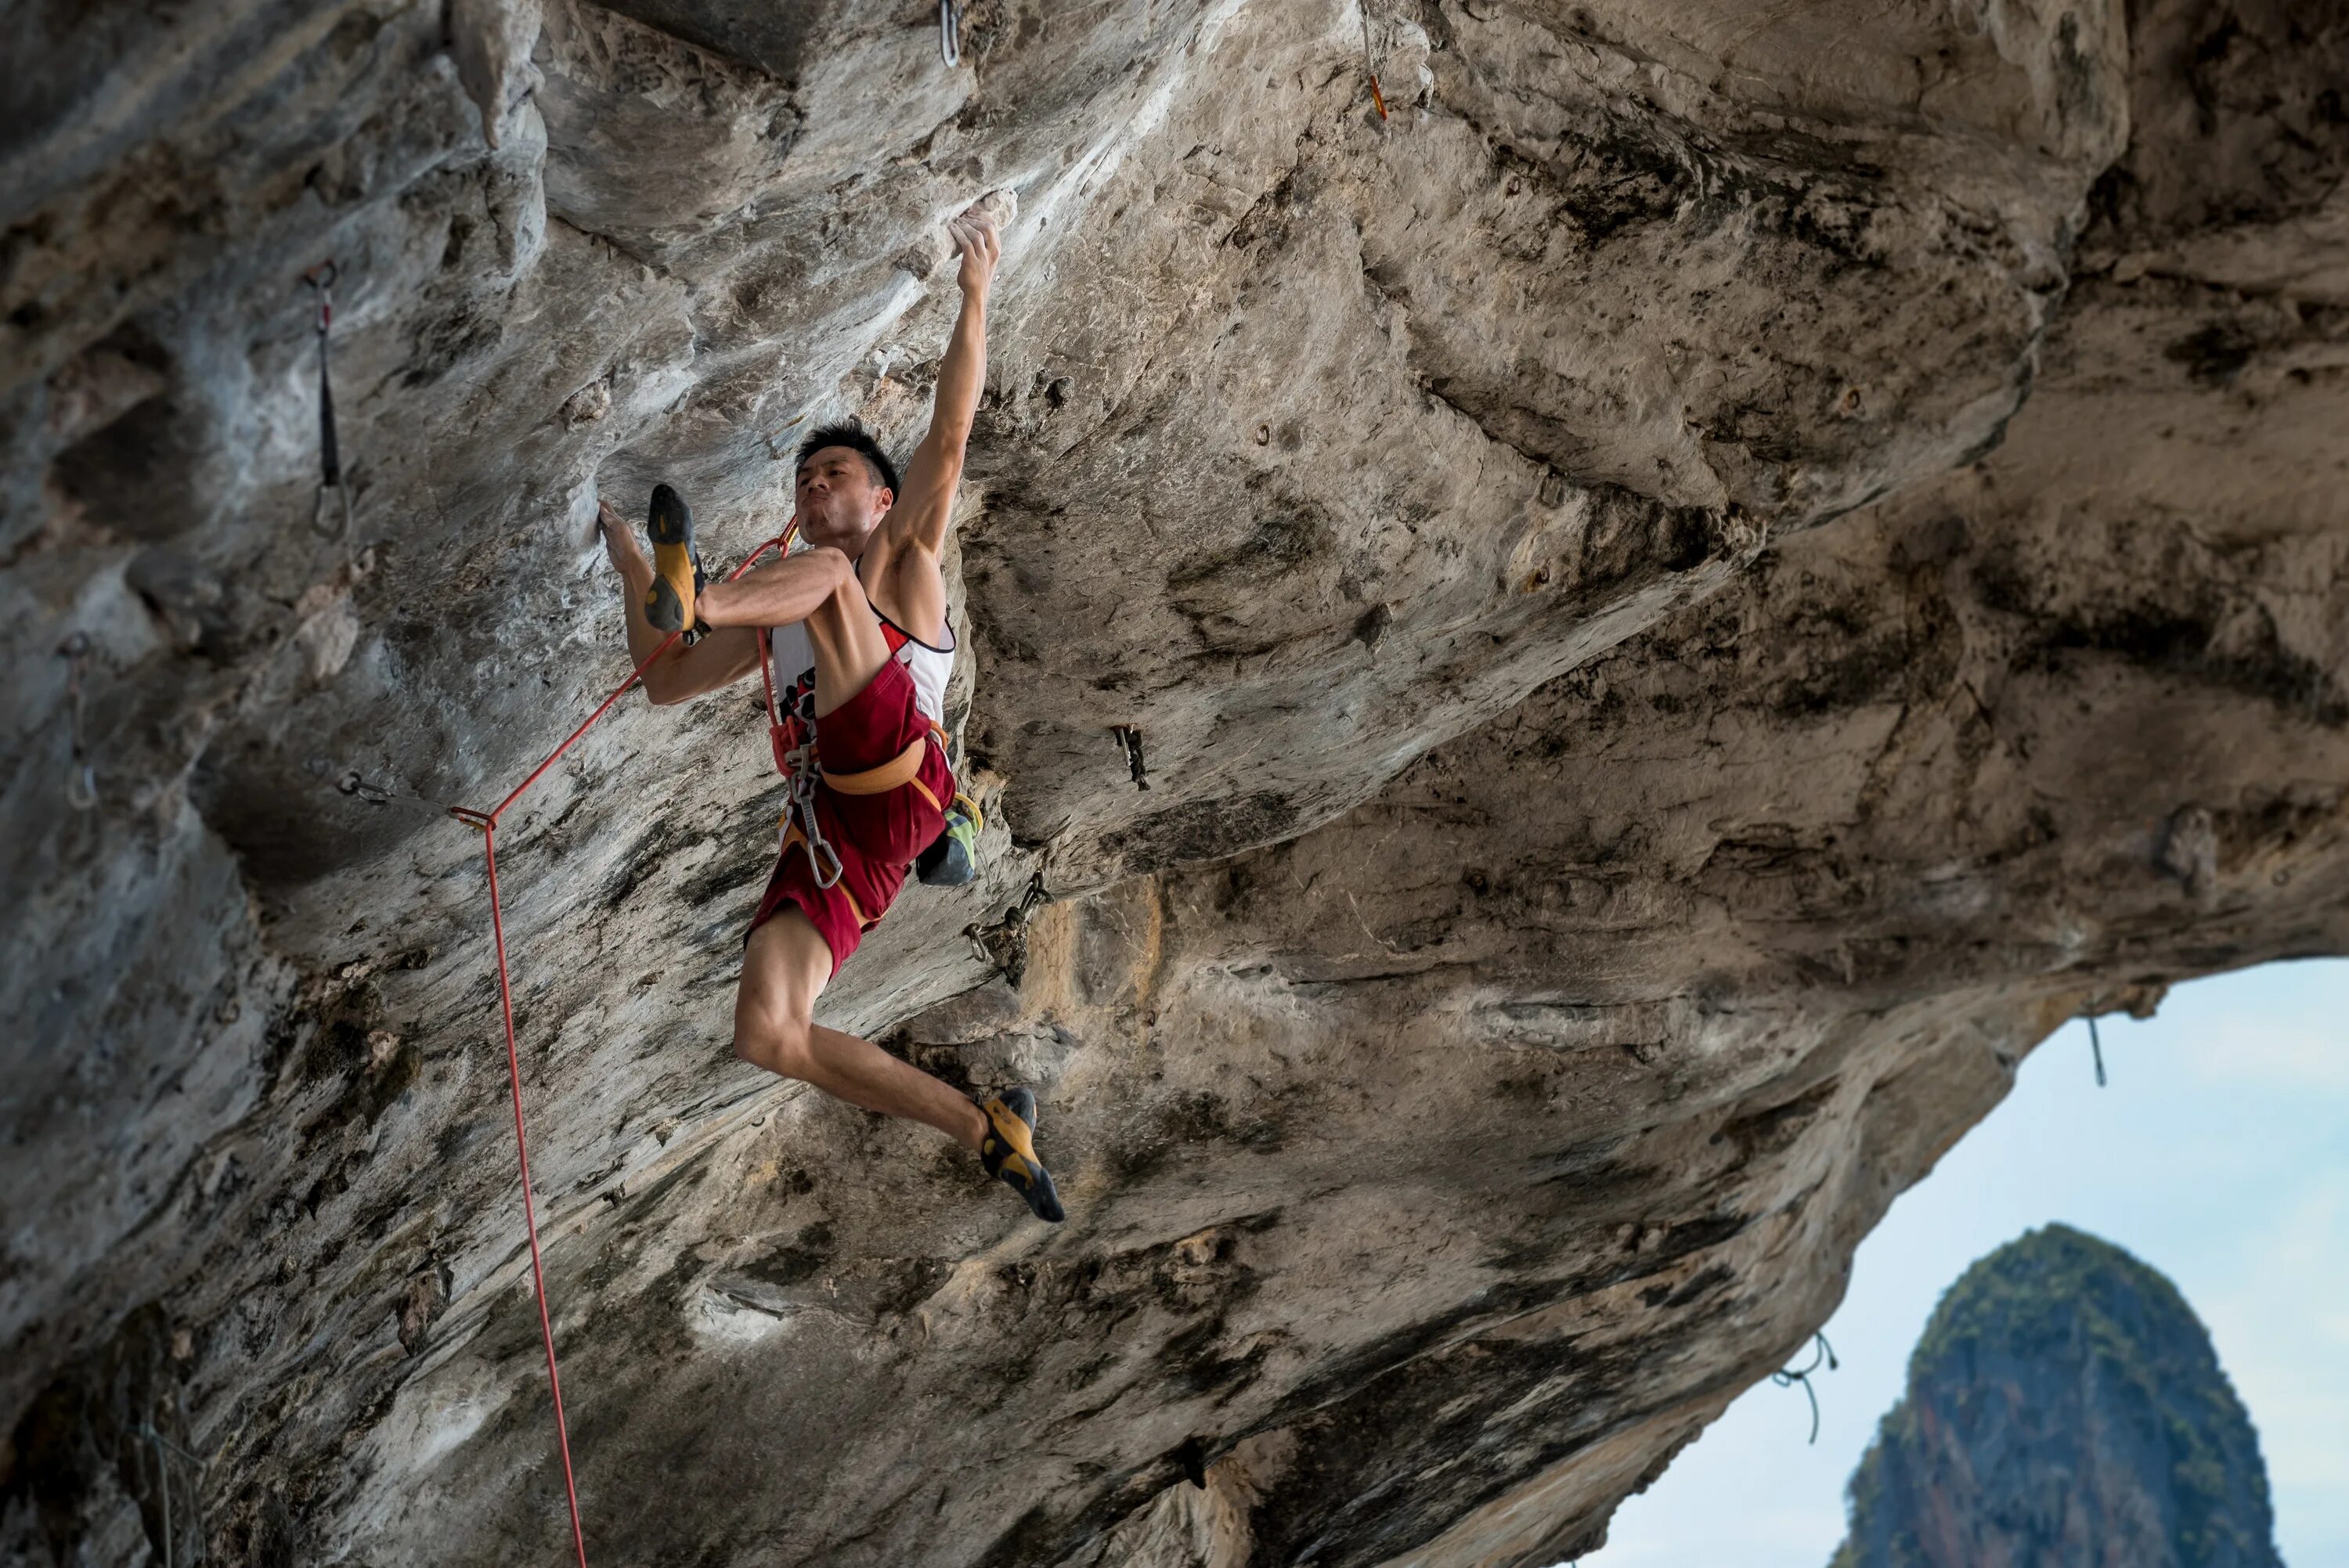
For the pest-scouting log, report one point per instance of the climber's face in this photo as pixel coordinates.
(840, 498)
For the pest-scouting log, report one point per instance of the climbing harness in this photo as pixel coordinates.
(950, 32)
(324, 521)
(1786, 1377)
(81, 783)
(2097, 1047)
(1370, 66)
(793, 742)
(793, 745)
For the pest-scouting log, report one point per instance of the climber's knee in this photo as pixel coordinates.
(784, 966)
(772, 1038)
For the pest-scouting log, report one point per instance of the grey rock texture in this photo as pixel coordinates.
(1687, 597)
(2064, 1406)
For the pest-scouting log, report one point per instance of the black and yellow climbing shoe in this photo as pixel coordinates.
(676, 569)
(1010, 1151)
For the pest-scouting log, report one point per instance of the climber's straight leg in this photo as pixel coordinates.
(784, 967)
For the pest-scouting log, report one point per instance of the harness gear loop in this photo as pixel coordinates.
(324, 522)
(81, 781)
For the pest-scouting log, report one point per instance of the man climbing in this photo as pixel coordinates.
(862, 650)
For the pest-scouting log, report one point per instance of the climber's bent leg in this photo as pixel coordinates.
(877, 801)
(784, 967)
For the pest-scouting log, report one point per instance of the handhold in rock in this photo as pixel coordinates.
(2189, 850)
(1193, 1457)
(587, 405)
(491, 40)
(930, 253)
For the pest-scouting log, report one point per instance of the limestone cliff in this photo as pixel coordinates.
(1689, 596)
(2063, 1406)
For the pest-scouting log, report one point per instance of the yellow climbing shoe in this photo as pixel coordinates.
(1010, 1151)
(676, 569)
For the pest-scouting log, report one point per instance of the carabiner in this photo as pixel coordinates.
(950, 32)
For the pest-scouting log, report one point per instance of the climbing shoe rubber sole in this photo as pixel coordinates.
(677, 569)
(1009, 1152)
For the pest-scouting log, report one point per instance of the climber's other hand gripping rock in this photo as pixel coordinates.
(857, 619)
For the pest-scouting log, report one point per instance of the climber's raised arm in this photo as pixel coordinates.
(901, 560)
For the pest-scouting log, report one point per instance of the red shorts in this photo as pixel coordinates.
(875, 823)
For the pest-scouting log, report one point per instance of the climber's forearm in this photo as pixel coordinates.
(790, 590)
(919, 520)
(962, 375)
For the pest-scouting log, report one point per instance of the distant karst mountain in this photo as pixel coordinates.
(2064, 1409)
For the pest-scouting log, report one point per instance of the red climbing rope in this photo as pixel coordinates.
(486, 823)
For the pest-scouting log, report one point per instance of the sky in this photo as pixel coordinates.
(2219, 1154)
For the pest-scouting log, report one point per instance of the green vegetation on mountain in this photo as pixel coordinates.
(2064, 1406)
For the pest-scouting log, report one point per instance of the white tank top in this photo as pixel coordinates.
(794, 657)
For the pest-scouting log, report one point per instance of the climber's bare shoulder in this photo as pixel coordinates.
(904, 582)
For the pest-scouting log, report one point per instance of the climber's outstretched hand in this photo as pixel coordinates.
(981, 248)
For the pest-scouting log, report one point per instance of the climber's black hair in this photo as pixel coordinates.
(850, 433)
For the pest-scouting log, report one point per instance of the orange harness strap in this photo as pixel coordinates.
(893, 774)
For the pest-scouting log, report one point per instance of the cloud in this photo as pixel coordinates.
(2283, 1331)
(2254, 1051)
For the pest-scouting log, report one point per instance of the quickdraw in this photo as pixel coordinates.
(165, 1451)
(325, 520)
(81, 783)
(950, 32)
(1370, 65)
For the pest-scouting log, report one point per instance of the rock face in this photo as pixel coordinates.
(1689, 596)
(2064, 1406)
